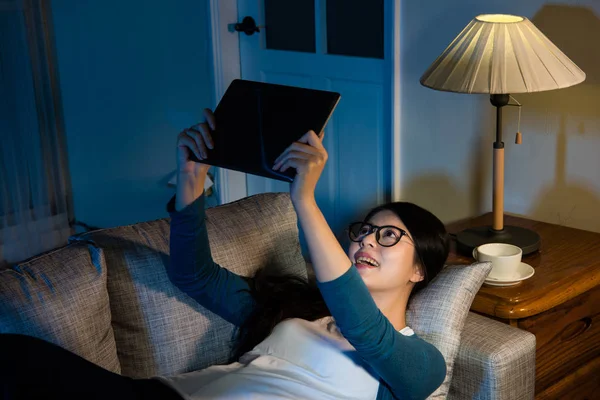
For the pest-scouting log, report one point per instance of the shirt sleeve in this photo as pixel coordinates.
(411, 367)
(194, 272)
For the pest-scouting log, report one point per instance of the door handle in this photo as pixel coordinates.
(248, 26)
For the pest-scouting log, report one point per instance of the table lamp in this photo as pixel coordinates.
(500, 54)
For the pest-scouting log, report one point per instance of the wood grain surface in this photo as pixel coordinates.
(559, 304)
(567, 265)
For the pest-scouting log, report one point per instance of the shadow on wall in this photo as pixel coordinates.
(455, 197)
(438, 193)
(483, 157)
(569, 120)
(446, 196)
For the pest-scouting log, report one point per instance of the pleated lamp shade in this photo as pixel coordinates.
(501, 54)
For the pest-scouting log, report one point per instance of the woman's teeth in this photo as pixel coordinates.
(367, 260)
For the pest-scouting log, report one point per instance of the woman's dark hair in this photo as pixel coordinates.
(279, 297)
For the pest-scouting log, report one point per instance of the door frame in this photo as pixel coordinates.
(231, 185)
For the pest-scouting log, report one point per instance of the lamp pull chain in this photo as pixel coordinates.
(519, 137)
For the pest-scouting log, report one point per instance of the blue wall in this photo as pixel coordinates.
(132, 75)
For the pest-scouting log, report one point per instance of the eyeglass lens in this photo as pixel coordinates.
(385, 235)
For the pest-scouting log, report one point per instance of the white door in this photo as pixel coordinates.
(302, 46)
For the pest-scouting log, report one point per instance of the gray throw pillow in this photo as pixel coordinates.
(61, 297)
(160, 330)
(438, 313)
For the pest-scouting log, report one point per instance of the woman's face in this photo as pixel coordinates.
(386, 268)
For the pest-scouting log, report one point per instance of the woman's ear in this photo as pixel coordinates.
(417, 275)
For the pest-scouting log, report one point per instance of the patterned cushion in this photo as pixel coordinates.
(61, 297)
(158, 329)
(438, 313)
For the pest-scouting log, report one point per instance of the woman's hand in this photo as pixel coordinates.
(196, 139)
(308, 157)
(191, 174)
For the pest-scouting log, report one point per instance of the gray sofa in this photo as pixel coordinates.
(106, 296)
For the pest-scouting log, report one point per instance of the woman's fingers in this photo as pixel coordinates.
(298, 148)
(308, 147)
(302, 154)
(298, 163)
(312, 139)
(199, 139)
(185, 140)
(301, 161)
(193, 144)
(290, 154)
(204, 130)
(210, 118)
(308, 170)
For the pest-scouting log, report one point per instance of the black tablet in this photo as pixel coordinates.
(256, 122)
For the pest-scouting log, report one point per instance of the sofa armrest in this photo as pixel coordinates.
(495, 361)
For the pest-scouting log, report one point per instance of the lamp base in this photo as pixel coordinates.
(526, 239)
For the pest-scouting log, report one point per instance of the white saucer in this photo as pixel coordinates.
(523, 272)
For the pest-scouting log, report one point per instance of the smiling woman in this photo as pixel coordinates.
(283, 320)
(423, 239)
(387, 258)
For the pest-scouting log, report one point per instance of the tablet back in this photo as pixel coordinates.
(257, 121)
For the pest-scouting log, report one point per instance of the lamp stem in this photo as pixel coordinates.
(499, 126)
(499, 101)
(498, 198)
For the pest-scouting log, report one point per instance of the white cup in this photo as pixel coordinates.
(505, 259)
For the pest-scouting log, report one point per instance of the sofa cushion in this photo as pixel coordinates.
(159, 330)
(61, 297)
(438, 313)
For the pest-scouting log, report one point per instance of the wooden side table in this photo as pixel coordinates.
(560, 304)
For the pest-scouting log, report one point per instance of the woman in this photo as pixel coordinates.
(343, 337)
(290, 347)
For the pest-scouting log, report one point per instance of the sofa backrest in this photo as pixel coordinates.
(158, 329)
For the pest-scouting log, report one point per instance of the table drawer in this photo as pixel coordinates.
(582, 384)
(568, 337)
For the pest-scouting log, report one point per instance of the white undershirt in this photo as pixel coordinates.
(299, 360)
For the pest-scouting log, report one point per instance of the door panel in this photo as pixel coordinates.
(356, 176)
(291, 25)
(358, 165)
(353, 29)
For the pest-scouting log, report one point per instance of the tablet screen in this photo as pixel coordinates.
(257, 121)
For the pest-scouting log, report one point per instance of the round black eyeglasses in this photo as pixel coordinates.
(386, 236)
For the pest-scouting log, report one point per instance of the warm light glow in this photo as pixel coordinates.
(499, 18)
(499, 54)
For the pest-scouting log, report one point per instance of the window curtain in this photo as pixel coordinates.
(35, 195)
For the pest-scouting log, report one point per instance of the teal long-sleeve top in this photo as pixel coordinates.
(408, 367)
